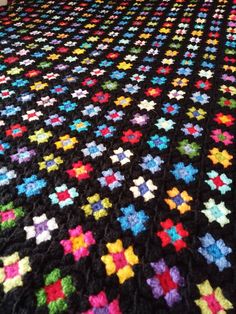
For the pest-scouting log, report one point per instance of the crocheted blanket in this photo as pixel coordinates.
(117, 149)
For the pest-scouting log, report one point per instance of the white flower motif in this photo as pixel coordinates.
(177, 94)
(79, 93)
(148, 105)
(121, 156)
(216, 212)
(167, 125)
(143, 188)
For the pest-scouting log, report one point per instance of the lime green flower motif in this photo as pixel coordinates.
(15, 71)
(50, 163)
(225, 102)
(44, 64)
(9, 215)
(191, 149)
(56, 292)
(40, 136)
(109, 85)
(97, 207)
(216, 212)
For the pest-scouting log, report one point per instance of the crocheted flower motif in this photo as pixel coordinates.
(184, 172)
(215, 251)
(56, 292)
(147, 105)
(79, 125)
(165, 124)
(97, 207)
(93, 150)
(221, 157)
(140, 119)
(191, 149)
(218, 182)
(122, 156)
(133, 220)
(197, 114)
(40, 136)
(160, 142)
(222, 137)
(78, 244)
(9, 214)
(191, 129)
(166, 282)
(50, 163)
(216, 212)
(13, 270)
(173, 234)
(105, 131)
(55, 120)
(41, 228)
(111, 179)
(130, 136)
(212, 300)
(63, 196)
(100, 304)
(225, 102)
(31, 186)
(23, 155)
(178, 200)
(120, 261)
(143, 188)
(66, 142)
(80, 171)
(3, 147)
(16, 130)
(151, 163)
(123, 101)
(6, 176)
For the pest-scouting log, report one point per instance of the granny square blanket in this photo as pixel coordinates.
(117, 157)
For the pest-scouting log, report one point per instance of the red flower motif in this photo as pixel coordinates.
(32, 73)
(113, 55)
(172, 234)
(131, 136)
(226, 119)
(16, 130)
(203, 84)
(89, 82)
(80, 171)
(101, 97)
(164, 70)
(153, 92)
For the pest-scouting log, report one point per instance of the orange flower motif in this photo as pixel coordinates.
(221, 157)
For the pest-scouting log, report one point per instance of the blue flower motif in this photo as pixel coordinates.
(20, 83)
(59, 89)
(111, 179)
(133, 220)
(31, 186)
(170, 108)
(160, 142)
(184, 71)
(151, 163)
(10, 111)
(68, 106)
(114, 115)
(94, 150)
(160, 80)
(215, 251)
(118, 75)
(105, 131)
(186, 173)
(79, 69)
(79, 125)
(3, 146)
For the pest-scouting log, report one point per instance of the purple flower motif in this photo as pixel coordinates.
(55, 120)
(111, 179)
(140, 119)
(166, 282)
(23, 155)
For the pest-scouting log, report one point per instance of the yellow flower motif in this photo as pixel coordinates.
(212, 299)
(197, 33)
(167, 61)
(124, 65)
(62, 36)
(96, 207)
(66, 142)
(87, 61)
(178, 200)
(89, 25)
(164, 30)
(15, 71)
(221, 157)
(145, 36)
(171, 53)
(38, 86)
(40, 136)
(93, 38)
(50, 163)
(123, 101)
(78, 51)
(181, 82)
(53, 56)
(198, 114)
(119, 261)
(108, 40)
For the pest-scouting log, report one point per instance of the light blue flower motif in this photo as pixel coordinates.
(20, 83)
(215, 251)
(94, 150)
(91, 111)
(118, 75)
(111, 179)
(6, 176)
(160, 142)
(159, 80)
(68, 106)
(132, 89)
(79, 69)
(105, 131)
(186, 173)
(63, 196)
(184, 71)
(31, 186)
(114, 115)
(55, 120)
(79, 125)
(3, 146)
(151, 163)
(133, 220)
(201, 98)
(172, 109)
(10, 111)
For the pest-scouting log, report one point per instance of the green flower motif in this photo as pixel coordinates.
(191, 149)
(225, 102)
(135, 50)
(56, 291)
(9, 215)
(109, 85)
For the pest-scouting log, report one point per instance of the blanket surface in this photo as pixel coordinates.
(117, 157)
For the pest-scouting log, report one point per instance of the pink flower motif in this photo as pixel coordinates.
(99, 303)
(78, 243)
(220, 136)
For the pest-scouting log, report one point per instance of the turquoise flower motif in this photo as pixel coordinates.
(63, 196)
(151, 163)
(32, 186)
(133, 220)
(215, 251)
(186, 173)
(218, 182)
(79, 125)
(68, 106)
(160, 142)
